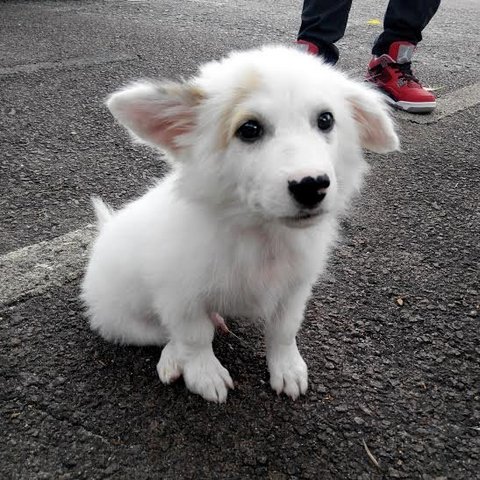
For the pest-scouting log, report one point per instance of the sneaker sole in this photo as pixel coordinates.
(413, 107)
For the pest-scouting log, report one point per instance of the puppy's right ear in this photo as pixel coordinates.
(159, 114)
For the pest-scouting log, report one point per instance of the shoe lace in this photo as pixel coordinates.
(405, 70)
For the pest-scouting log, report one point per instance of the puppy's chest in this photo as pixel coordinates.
(254, 277)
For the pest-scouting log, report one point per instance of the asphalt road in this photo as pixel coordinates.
(391, 335)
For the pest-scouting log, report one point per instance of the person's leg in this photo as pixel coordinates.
(404, 21)
(323, 24)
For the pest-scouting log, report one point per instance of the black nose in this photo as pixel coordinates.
(309, 191)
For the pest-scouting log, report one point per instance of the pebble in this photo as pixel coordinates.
(394, 473)
(358, 420)
(69, 463)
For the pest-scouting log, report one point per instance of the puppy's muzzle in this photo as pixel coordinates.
(309, 191)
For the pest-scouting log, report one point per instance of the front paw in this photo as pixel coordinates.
(288, 371)
(206, 376)
(169, 366)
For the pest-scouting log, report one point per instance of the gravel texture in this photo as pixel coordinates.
(391, 334)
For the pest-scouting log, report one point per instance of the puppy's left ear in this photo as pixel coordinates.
(371, 112)
(159, 114)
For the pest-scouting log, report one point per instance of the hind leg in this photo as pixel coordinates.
(130, 329)
(118, 308)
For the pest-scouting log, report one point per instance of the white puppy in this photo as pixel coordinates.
(266, 148)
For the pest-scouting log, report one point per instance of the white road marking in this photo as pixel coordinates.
(34, 269)
(448, 105)
(74, 62)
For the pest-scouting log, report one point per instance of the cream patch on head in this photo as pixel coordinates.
(234, 115)
(190, 94)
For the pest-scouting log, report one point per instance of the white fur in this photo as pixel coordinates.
(220, 233)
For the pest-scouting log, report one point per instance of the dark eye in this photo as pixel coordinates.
(250, 131)
(325, 121)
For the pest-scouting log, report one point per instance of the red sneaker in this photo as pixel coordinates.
(328, 53)
(392, 73)
(308, 47)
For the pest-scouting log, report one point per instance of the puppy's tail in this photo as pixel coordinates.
(103, 212)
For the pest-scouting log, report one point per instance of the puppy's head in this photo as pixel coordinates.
(273, 133)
